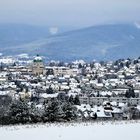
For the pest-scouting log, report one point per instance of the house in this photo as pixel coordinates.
(3, 77)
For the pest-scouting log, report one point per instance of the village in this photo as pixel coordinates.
(97, 90)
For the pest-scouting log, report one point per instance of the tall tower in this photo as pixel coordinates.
(38, 66)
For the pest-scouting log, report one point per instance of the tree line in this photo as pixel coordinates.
(22, 111)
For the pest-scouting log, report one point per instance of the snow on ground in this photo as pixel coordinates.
(83, 131)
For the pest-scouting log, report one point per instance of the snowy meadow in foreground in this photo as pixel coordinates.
(73, 131)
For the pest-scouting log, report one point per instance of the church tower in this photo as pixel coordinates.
(38, 66)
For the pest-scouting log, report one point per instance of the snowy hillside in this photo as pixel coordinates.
(83, 131)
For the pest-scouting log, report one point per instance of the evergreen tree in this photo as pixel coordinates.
(76, 100)
(49, 90)
(53, 111)
(70, 111)
(4, 115)
(130, 93)
(80, 66)
(35, 113)
(71, 99)
(19, 112)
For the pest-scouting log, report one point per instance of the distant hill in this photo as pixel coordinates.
(17, 34)
(12, 34)
(104, 42)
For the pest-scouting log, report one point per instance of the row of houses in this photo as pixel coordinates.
(117, 101)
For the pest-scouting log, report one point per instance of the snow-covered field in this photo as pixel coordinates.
(83, 131)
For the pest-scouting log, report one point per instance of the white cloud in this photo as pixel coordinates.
(53, 30)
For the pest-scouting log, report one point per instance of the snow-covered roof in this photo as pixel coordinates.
(45, 95)
(104, 93)
(83, 107)
(102, 114)
(7, 60)
(138, 107)
(116, 110)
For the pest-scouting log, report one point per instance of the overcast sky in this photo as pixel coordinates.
(69, 12)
